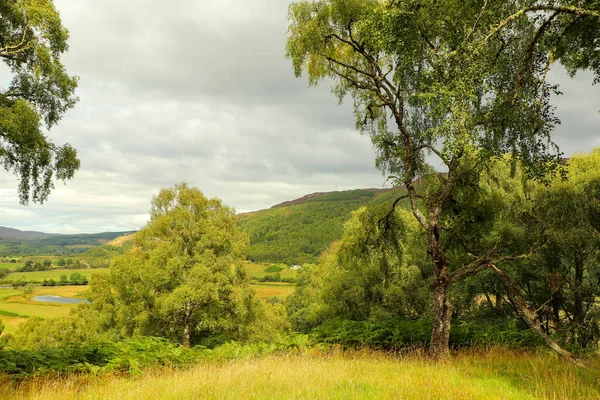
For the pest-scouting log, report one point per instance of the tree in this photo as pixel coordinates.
(374, 272)
(456, 83)
(32, 40)
(185, 277)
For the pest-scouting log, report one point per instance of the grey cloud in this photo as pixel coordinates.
(200, 91)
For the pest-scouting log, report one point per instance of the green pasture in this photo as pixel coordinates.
(273, 289)
(39, 276)
(259, 270)
(11, 265)
(41, 310)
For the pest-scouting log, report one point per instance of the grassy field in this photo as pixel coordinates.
(494, 374)
(39, 276)
(258, 271)
(16, 306)
(272, 289)
(11, 265)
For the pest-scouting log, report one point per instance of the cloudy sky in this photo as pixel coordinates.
(200, 91)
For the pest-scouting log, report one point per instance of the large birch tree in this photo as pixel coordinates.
(451, 83)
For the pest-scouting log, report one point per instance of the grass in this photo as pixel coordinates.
(16, 306)
(11, 323)
(259, 270)
(39, 276)
(494, 374)
(281, 290)
(11, 265)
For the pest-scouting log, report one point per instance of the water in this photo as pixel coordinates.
(58, 299)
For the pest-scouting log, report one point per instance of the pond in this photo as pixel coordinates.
(58, 299)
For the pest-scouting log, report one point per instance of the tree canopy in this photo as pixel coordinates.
(32, 40)
(185, 277)
(450, 82)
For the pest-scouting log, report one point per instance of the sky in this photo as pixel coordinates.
(200, 91)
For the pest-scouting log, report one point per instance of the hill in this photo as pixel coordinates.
(14, 242)
(298, 231)
(293, 232)
(11, 233)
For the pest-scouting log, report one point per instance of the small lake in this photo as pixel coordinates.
(58, 299)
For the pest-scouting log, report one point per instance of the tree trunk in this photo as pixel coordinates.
(499, 301)
(440, 336)
(186, 335)
(530, 316)
(442, 308)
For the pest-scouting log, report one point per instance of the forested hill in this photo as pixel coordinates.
(15, 243)
(298, 231)
(293, 232)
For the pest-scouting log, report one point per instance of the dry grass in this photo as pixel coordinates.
(353, 375)
(11, 323)
(281, 290)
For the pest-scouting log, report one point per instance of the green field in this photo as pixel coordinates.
(258, 270)
(495, 374)
(42, 310)
(16, 306)
(11, 265)
(38, 277)
(273, 289)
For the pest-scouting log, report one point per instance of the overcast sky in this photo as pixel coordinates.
(200, 91)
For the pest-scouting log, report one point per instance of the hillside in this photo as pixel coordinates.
(11, 233)
(293, 232)
(15, 243)
(298, 231)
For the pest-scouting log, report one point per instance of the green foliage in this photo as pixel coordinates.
(397, 334)
(131, 355)
(63, 244)
(1, 327)
(298, 234)
(376, 271)
(32, 40)
(185, 279)
(77, 279)
(274, 268)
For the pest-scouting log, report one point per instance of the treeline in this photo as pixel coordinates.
(545, 236)
(298, 234)
(56, 245)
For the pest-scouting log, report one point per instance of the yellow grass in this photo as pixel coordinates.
(41, 310)
(11, 323)
(281, 290)
(354, 375)
(122, 240)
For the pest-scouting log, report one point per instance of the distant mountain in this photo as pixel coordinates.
(11, 233)
(14, 242)
(298, 231)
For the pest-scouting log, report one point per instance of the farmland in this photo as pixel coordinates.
(39, 276)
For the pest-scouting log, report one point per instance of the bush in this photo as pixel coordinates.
(274, 268)
(395, 334)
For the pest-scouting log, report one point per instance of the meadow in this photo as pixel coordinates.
(477, 375)
(16, 305)
(39, 276)
(11, 265)
(260, 270)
